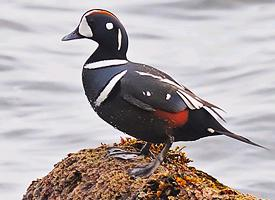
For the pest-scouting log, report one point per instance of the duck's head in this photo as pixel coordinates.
(104, 28)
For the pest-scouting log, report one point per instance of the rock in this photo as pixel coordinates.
(91, 174)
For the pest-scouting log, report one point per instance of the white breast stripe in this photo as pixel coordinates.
(165, 80)
(108, 88)
(105, 63)
(119, 38)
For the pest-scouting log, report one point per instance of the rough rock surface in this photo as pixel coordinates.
(91, 174)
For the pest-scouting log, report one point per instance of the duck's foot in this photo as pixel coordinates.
(145, 171)
(149, 169)
(122, 154)
(128, 155)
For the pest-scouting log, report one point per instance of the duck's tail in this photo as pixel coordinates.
(235, 136)
(207, 125)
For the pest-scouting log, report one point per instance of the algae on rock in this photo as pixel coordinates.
(92, 174)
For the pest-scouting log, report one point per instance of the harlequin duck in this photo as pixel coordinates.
(138, 99)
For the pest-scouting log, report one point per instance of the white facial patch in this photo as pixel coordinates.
(109, 26)
(84, 28)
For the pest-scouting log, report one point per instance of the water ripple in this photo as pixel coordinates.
(213, 4)
(12, 25)
(147, 36)
(42, 86)
(19, 134)
(7, 63)
(47, 8)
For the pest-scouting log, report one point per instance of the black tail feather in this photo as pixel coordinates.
(238, 137)
(213, 110)
(202, 124)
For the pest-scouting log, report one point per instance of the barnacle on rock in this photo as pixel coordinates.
(91, 174)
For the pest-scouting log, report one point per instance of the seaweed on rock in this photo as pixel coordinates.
(91, 174)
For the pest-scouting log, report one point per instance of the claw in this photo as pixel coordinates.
(145, 171)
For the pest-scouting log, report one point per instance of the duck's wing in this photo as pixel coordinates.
(153, 90)
(150, 93)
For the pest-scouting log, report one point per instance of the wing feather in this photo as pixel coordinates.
(149, 90)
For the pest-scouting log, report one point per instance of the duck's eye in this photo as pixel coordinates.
(109, 26)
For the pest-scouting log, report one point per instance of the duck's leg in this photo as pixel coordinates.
(128, 155)
(151, 167)
(145, 150)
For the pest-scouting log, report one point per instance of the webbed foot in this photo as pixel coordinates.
(122, 154)
(128, 155)
(149, 169)
(145, 171)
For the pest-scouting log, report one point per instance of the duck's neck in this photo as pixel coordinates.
(111, 48)
(102, 53)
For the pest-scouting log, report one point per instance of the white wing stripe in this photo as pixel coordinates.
(105, 63)
(186, 100)
(108, 88)
(189, 100)
(192, 100)
(165, 80)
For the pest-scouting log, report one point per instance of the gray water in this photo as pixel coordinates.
(223, 50)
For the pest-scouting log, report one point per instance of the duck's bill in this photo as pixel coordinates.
(72, 36)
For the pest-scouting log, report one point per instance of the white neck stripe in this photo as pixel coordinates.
(105, 63)
(119, 38)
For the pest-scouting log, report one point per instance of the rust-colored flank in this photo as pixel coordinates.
(174, 119)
